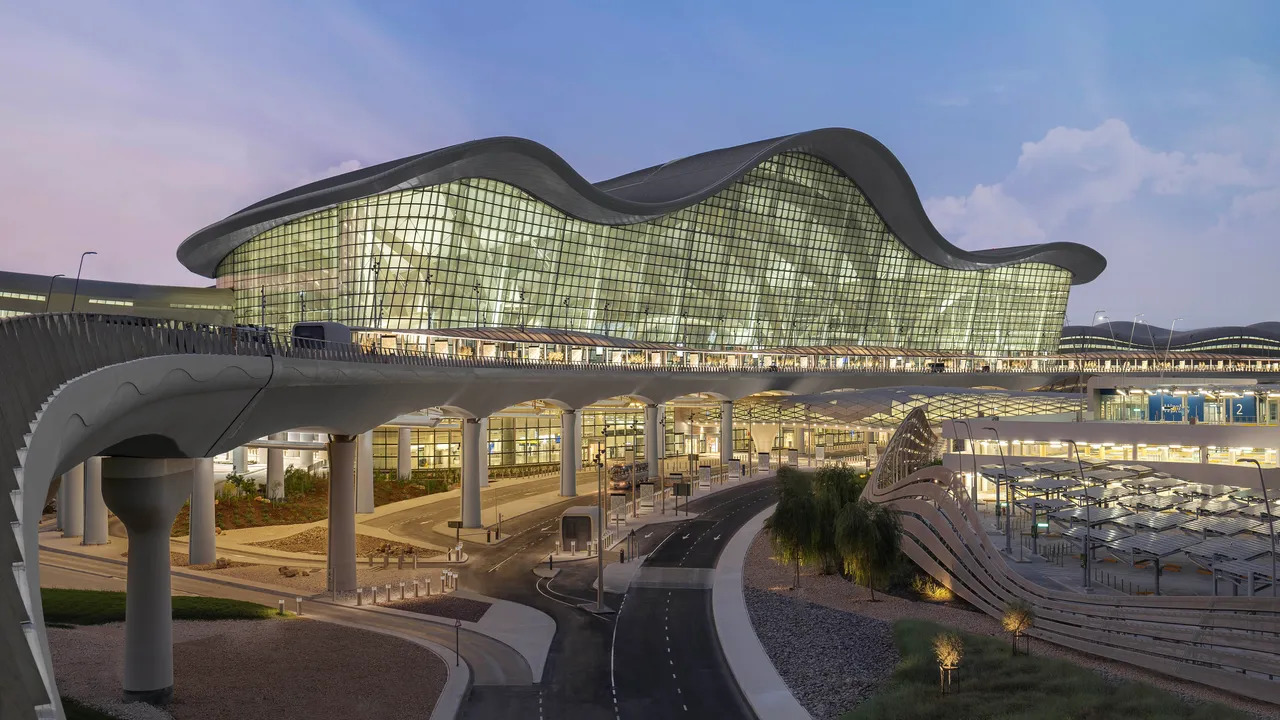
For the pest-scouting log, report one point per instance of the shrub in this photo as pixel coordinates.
(298, 481)
(948, 648)
(1018, 618)
(242, 484)
(929, 589)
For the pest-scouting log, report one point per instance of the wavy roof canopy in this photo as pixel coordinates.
(1144, 335)
(635, 197)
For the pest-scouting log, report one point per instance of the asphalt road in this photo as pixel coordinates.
(667, 661)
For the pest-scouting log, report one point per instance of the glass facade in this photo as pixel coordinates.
(792, 254)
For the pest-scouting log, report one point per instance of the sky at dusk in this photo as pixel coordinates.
(1147, 130)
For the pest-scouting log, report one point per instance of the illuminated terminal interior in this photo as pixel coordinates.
(1213, 404)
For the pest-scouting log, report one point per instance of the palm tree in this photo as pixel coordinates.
(1019, 616)
(791, 527)
(867, 536)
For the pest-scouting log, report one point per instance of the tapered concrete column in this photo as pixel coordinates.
(275, 470)
(726, 431)
(470, 474)
(404, 465)
(146, 495)
(569, 448)
(364, 472)
(95, 509)
(62, 505)
(240, 460)
(652, 443)
(482, 453)
(73, 495)
(201, 546)
(307, 458)
(342, 512)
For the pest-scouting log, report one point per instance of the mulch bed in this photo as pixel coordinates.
(316, 541)
(448, 606)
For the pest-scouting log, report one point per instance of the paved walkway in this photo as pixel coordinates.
(768, 695)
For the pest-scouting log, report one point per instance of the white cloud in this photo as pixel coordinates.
(1173, 225)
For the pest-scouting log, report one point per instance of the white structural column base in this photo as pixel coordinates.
(726, 431)
(201, 545)
(652, 442)
(364, 472)
(146, 495)
(73, 495)
(95, 509)
(404, 447)
(275, 469)
(570, 443)
(482, 452)
(342, 512)
(240, 460)
(470, 473)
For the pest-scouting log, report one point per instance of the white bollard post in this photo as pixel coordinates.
(428, 587)
(359, 597)
(281, 606)
(415, 589)
(401, 589)
(375, 594)
(388, 593)
(298, 603)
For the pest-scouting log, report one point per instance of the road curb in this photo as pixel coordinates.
(755, 674)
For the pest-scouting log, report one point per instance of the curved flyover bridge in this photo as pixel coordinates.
(1231, 643)
(149, 395)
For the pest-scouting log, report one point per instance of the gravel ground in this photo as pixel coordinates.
(447, 606)
(764, 573)
(259, 669)
(316, 540)
(831, 660)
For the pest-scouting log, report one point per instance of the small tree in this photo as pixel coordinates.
(792, 523)
(867, 535)
(948, 647)
(1019, 616)
(834, 487)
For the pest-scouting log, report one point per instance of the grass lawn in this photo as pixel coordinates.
(990, 683)
(95, 607)
(245, 511)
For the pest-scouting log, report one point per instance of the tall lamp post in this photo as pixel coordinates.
(974, 454)
(1008, 538)
(1088, 517)
(48, 297)
(1133, 327)
(1271, 522)
(1168, 345)
(76, 291)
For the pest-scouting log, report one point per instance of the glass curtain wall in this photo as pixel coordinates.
(792, 254)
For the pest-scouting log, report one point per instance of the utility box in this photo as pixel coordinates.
(764, 462)
(793, 457)
(578, 527)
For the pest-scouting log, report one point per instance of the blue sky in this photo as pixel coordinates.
(1148, 130)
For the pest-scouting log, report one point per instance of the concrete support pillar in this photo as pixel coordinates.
(307, 458)
(95, 509)
(653, 441)
(73, 496)
(342, 512)
(146, 495)
(764, 434)
(404, 454)
(482, 453)
(726, 431)
(364, 472)
(1204, 455)
(240, 460)
(570, 446)
(275, 470)
(201, 546)
(470, 474)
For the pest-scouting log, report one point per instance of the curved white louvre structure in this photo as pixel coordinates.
(1231, 643)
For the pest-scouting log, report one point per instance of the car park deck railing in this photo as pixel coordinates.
(1232, 643)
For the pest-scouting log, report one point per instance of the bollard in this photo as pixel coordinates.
(488, 536)
(449, 555)
(550, 561)
(359, 597)
(400, 561)
(428, 587)
(401, 589)
(281, 607)
(415, 561)
(388, 592)
(386, 560)
(298, 602)
(374, 593)
(416, 589)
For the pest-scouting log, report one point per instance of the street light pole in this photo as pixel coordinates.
(1088, 517)
(973, 453)
(1008, 538)
(1168, 345)
(1133, 327)
(1271, 522)
(48, 297)
(76, 291)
